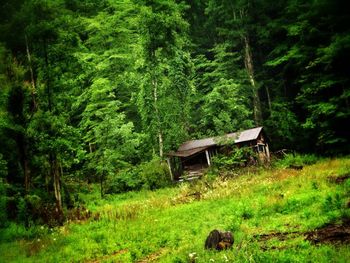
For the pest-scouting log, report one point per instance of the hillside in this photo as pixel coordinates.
(273, 214)
(101, 90)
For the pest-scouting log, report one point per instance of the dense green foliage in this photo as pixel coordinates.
(237, 158)
(98, 91)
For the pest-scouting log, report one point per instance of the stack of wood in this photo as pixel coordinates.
(191, 175)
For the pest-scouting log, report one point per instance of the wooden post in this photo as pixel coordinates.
(208, 158)
(267, 152)
(169, 165)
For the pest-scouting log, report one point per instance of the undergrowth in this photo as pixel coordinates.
(171, 224)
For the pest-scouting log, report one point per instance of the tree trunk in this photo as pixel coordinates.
(26, 169)
(268, 99)
(48, 77)
(25, 163)
(55, 175)
(32, 81)
(248, 62)
(160, 133)
(161, 145)
(57, 185)
(26, 175)
(23, 159)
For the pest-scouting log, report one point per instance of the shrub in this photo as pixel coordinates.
(29, 209)
(22, 210)
(151, 175)
(297, 159)
(18, 231)
(238, 157)
(126, 180)
(155, 174)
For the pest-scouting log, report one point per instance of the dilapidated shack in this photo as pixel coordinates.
(196, 155)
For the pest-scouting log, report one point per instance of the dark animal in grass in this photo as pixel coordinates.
(219, 240)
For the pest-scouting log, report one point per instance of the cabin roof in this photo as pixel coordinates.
(194, 146)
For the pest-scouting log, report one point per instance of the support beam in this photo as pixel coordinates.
(171, 171)
(267, 152)
(208, 158)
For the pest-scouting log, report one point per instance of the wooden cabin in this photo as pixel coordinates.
(192, 157)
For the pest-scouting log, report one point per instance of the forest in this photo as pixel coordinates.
(94, 94)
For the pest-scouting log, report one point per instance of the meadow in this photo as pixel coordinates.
(273, 214)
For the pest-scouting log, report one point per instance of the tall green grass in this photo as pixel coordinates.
(171, 224)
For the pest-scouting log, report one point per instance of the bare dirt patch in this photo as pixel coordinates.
(282, 236)
(331, 233)
(339, 179)
(152, 257)
(107, 257)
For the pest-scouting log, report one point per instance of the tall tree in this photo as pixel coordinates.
(311, 59)
(165, 70)
(106, 57)
(234, 27)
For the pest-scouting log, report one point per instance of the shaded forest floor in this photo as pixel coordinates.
(276, 215)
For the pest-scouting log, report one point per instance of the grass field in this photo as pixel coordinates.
(272, 213)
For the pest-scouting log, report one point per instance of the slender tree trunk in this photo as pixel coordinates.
(26, 175)
(54, 163)
(268, 99)
(55, 175)
(57, 184)
(22, 144)
(32, 81)
(161, 145)
(160, 133)
(48, 81)
(248, 62)
(26, 168)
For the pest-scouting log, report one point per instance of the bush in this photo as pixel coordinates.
(297, 159)
(151, 175)
(238, 157)
(18, 231)
(22, 213)
(29, 209)
(155, 174)
(126, 180)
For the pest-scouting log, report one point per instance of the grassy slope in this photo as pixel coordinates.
(169, 224)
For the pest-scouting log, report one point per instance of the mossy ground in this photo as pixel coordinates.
(171, 224)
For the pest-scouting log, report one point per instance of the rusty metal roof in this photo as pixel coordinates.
(194, 146)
